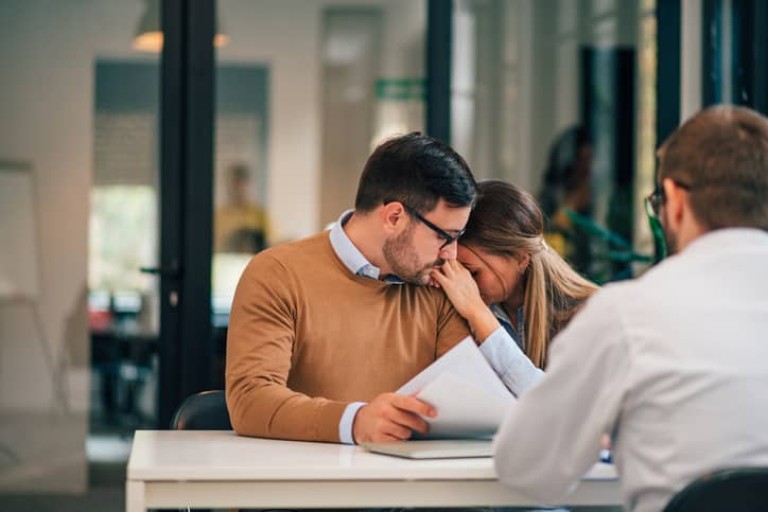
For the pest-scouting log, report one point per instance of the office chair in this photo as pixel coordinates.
(206, 410)
(742, 489)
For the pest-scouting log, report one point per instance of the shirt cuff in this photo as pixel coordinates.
(509, 362)
(347, 420)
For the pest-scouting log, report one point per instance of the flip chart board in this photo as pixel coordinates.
(18, 232)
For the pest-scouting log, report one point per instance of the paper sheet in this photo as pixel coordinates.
(470, 399)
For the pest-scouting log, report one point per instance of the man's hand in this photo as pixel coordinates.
(391, 417)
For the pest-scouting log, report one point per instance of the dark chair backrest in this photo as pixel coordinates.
(206, 410)
(737, 489)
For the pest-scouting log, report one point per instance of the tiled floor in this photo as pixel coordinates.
(107, 455)
(106, 493)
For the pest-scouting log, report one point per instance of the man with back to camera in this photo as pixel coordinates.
(672, 364)
(323, 329)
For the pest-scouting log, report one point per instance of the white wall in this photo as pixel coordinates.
(285, 34)
(259, 32)
(47, 52)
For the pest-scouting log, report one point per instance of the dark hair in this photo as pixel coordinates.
(239, 172)
(722, 155)
(417, 170)
(560, 175)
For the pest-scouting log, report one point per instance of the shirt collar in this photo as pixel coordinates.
(726, 237)
(350, 255)
(516, 331)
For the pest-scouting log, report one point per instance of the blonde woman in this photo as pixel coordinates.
(508, 284)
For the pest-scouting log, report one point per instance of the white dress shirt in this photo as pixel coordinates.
(674, 365)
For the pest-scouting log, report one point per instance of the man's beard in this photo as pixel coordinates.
(670, 238)
(404, 262)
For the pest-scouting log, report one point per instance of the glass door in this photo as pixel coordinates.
(78, 320)
(106, 160)
(304, 90)
(559, 98)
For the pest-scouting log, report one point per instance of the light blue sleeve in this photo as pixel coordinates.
(509, 362)
(347, 420)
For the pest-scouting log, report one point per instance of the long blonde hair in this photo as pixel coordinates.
(507, 221)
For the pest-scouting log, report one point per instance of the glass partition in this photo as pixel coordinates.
(305, 89)
(79, 108)
(558, 97)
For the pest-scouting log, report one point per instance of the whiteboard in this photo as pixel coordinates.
(18, 232)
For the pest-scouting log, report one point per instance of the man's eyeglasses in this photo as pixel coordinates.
(656, 199)
(449, 239)
(653, 202)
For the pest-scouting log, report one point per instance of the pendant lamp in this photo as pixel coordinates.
(149, 36)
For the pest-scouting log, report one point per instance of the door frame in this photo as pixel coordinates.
(186, 202)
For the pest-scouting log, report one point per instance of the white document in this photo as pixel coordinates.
(470, 399)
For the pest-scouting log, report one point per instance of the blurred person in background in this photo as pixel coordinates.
(241, 225)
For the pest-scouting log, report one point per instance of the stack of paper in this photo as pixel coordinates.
(470, 399)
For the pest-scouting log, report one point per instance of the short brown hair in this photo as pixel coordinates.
(721, 153)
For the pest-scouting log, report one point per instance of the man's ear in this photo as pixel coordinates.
(675, 204)
(393, 216)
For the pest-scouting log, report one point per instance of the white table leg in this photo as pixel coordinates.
(135, 496)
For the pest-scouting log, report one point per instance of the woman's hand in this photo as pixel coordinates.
(464, 294)
(459, 286)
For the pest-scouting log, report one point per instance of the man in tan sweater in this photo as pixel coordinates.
(324, 329)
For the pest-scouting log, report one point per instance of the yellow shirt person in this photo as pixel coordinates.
(241, 225)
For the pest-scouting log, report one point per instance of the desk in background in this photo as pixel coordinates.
(123, 362)
(218, 469)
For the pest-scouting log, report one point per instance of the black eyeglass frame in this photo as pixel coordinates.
(656, 199)
(449, 239)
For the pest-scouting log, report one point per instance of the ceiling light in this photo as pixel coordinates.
(149, 37)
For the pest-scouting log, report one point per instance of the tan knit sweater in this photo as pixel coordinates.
(307, 337)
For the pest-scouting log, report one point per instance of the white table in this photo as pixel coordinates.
(218, 469)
